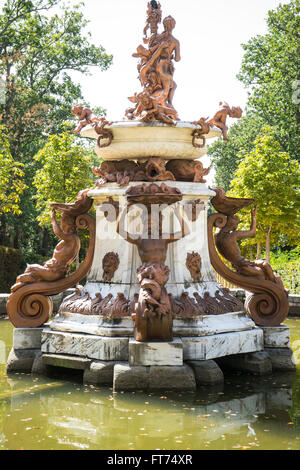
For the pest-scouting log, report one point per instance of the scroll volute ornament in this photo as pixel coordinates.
(28, 305)
(267, 304)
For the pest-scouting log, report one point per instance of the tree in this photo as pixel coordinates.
(270, 70)
(38, 50)
(224, 154)
(65, 170)
(11, 178)
(272, 178)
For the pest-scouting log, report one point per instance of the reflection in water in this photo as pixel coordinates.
(2, 352)
(247, 412)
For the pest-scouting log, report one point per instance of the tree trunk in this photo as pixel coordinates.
(268, 246)
(258, 252)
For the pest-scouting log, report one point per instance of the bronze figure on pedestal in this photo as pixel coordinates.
(156, 71)
(268, 302)
(29, 305)
(153, 316)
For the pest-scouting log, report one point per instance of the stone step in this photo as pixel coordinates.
(156, 353)
(149, 378)
(69, 362)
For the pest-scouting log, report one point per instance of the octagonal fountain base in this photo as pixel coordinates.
(94, 331)
(182, 364)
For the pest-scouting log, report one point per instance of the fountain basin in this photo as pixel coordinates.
(138, 140)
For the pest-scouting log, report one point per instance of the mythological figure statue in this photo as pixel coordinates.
(156, 71)
(227, 244)
(267, 302)
(85, 117)
(67, 249)
(153, 250)
(219, 119)
(153, 316)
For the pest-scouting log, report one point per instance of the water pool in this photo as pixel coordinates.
(59, 413)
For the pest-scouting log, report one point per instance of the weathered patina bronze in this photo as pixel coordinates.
(193, 263)
(67, 249)
(227, 243)
(200, 133)
(29, 304)
(187, 170)
(104, 134)
(219, 119)
(85, 117)
(153, 317)
(156, 70)
(110, 264)
(109, 306)
(154, 169)
(148, 194)
(229, 205)
(268, 305)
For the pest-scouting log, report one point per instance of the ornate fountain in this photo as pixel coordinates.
(151, 313)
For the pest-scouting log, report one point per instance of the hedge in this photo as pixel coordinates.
(10, 267)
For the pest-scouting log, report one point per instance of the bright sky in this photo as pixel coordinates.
(210, 34)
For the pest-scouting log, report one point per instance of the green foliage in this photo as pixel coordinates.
(270, 70)
(224, 155)
(11, 175)
(287, 265)
(38, 52)
(268, 175)
(65, 170)
(41, 43)
(9, 267)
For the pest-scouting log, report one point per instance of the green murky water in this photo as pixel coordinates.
(248, 412)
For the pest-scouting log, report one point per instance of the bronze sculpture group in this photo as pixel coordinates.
(153, 309)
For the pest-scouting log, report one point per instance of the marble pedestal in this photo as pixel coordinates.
(182, 364)
(101, 344)
(124, 279)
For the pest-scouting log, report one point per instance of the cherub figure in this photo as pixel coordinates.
(85, 117)
(227, 244)
(63, 256)
(149, 110)
(219, 119)
(200, 133)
